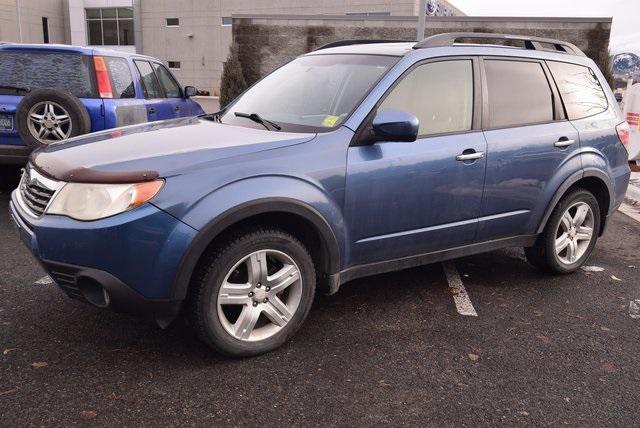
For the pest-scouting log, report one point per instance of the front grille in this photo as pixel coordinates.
(65, 277)
(36, 191)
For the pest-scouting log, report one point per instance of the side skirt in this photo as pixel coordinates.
(376, 268)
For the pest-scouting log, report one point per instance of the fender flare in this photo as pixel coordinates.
(248, 209)
(573, 179)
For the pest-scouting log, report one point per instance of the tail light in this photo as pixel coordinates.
(102, 77)
(624, 134)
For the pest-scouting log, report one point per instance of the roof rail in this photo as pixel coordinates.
(359, 42)
(532, 43)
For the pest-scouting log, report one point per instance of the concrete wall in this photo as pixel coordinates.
(31, 13)
(268, 41)
(201, 42)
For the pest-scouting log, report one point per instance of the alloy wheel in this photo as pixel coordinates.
(574, 233)
(259, 295)
(49, 122)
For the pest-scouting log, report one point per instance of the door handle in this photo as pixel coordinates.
(564, 142)
(152, 110)
(470, 156)
(177, 108)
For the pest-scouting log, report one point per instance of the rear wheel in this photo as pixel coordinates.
(252, 295)
(570, 234)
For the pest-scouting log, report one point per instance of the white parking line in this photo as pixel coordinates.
(460, 296)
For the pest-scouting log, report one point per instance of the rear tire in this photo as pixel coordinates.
(570, 235)
(252, 294)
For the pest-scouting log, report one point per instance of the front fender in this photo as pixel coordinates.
(245, 198)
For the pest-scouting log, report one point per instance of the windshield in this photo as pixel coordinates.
(312, 93)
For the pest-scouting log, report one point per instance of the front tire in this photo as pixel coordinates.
(569, 236)
(252, 294)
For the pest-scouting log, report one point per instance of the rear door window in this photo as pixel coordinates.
(169, 84)
(519, 93)
(150, 84)
(580, 90)
(439, 94)
(35, 70)
(121, 79)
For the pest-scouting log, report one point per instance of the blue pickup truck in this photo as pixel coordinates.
(50, 93)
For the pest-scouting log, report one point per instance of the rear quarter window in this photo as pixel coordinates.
(121, 79)
(71, 72)
(580, 89)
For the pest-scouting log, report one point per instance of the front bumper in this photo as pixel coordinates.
(133, 257)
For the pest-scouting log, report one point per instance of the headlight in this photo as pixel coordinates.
(85, 201)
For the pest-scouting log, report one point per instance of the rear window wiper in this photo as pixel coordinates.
(257, 119)
(15, 88)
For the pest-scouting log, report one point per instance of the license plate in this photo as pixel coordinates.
(6, 122)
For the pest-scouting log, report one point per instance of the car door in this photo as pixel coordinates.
(152, 90)
(531, 147)
(404, 198)
(176, 105)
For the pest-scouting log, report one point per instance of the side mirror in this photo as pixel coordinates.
(190, 91)
(395, 126)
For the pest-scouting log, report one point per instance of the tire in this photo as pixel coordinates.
(215, 324)
(64, 104)
(544, 254)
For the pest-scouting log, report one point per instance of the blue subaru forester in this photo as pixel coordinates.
(352, 160)
(49, 93)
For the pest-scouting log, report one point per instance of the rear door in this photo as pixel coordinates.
(531, 146)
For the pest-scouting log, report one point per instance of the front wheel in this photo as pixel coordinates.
(254, 293)
(570, 234)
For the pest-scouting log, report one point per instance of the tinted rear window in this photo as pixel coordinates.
(519, 93)
(580, 89)
(70, 72)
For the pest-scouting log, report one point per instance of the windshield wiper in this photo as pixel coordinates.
(257, 119)
(15, 88)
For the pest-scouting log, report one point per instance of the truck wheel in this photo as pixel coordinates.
(252, 295)
(47, 116)
(569, 236)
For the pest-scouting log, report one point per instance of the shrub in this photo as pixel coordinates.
(233, 82)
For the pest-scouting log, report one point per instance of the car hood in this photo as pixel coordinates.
(152, 150)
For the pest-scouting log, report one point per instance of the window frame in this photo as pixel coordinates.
(117, 20)
(159, 64)
(222, 18)
(142, 84)
(360, 137)
(166, 22)
(559, 114)
(564, 107)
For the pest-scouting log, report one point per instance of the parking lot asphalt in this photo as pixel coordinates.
(389, 349)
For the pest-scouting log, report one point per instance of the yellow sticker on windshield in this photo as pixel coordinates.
(330, 121)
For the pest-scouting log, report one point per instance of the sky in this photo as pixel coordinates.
(625, 32)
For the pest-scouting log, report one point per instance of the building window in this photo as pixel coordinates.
(227, 20)
(45, 29)
(110, 26)
(174, 65)
(173, 22)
